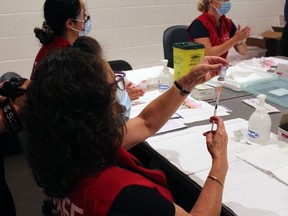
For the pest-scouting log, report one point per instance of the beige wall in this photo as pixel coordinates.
(127, 29)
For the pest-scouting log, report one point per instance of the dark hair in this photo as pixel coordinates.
(56, 13)
(89, 45)
(69, 117)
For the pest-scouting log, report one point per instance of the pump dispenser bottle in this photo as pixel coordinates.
(165, 79)
(259, 126)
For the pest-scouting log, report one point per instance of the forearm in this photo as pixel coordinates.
(210, 198)
(158, 112)
(220, 49)
(153, 117)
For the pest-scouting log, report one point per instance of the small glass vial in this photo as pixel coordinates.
(222, 74)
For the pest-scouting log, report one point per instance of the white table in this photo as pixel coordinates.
(248, 190)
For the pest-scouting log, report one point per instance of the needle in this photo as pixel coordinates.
(218, 91)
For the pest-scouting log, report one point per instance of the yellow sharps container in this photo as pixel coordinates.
(186, 55)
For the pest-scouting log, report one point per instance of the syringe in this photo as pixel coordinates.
(218, 92)
(221, 78)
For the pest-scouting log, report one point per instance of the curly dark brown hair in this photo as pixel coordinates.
(69, 117)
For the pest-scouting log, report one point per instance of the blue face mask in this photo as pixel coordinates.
(225, 8)
(123, 99)
(87, 27)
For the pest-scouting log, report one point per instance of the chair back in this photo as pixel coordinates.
(171, 35)
(119, 65)
(8, 76)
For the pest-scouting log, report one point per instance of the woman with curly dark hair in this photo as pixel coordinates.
(78, 139)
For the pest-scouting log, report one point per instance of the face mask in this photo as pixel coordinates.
(123, 99)
(225, 8)
(87, 28)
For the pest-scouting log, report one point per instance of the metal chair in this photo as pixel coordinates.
(171, 35)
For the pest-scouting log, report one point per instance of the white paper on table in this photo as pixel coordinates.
(201, 111)
(245, 189)
(240, 174)
(187, 149)
(193, 115)
(282, 174)
(254, 102)
(267, 197)
(172, 124)
(272, 158)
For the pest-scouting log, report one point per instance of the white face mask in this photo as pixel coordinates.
(87, 27)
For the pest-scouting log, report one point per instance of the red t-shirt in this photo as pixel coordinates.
(58, 43)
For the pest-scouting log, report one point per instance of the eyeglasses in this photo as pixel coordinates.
(83, 21)
(119, 80)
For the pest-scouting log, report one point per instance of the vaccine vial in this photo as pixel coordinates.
(222, 74)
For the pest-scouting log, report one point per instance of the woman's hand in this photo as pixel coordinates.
(217, 140)
(208, 68)
(242, 34)
(133, 91)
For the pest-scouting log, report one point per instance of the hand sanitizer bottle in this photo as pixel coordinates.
(259, 126)
(165, 79)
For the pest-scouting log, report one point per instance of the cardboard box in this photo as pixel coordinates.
(278, 28)
(268, 40)
(256, 41)
(272, 35)
(283, 129)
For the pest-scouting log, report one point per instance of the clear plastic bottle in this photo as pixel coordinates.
(165, 79)
(259, 127)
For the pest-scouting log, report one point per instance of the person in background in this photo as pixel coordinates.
(64, 22)
(284, 39)
(79, 139)
(215, 31)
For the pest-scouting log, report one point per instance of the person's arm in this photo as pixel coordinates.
(158, 112)
(134, 92)
(237, 41)
(17, 103)
(209, 201)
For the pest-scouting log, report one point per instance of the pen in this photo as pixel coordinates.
(218, 91)
(176, 116)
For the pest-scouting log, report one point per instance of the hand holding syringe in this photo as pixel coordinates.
(218, 90)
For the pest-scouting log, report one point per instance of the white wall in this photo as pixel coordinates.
(127, 29)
